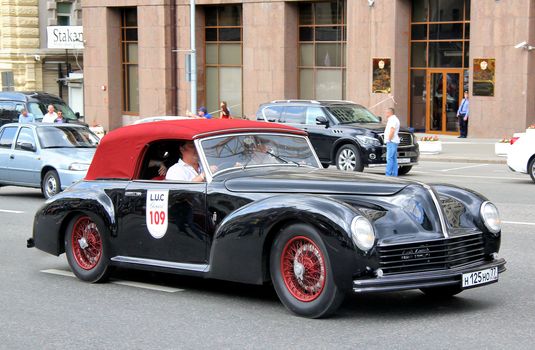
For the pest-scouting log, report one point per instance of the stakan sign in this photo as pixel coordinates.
(65, 37)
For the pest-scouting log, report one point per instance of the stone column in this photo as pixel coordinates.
(379, 31)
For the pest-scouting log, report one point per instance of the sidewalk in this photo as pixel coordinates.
(464, 150)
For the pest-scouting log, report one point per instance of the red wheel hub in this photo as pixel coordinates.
(303, 268)
(86, 243)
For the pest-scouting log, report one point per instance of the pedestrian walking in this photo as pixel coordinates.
(25, 117)
(51, 116)
(462, 114)
(392, 142)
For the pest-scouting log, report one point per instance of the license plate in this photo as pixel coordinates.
(480, 277)
(404, 160)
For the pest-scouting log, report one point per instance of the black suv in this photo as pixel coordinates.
(343, 133)
(36, 103)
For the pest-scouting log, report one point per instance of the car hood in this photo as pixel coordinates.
(376, 127)
(81, 155)
(313, 180)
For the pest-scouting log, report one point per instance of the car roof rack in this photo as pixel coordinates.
(343, 101)
(288, 101)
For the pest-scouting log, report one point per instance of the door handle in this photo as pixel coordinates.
(11, 156)
(133, 194)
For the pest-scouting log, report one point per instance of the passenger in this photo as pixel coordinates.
(60, 118)
(25, 117)
(188, 167)
(203, 113)
(51, 116)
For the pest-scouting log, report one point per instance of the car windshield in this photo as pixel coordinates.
(348, 114)
(66, 137)
(40, 109)
(252, 150)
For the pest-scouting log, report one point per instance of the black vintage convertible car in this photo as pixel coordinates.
(268, 212)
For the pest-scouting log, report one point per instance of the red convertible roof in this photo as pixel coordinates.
(119, 151)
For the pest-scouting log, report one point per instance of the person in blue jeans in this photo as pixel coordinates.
(392, 142)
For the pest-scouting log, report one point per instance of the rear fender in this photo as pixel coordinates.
(243, 239)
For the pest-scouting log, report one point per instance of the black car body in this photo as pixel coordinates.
(316, 234)
(35, 102)
(343, 133)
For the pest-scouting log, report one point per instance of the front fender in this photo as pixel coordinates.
(242, 242)
(52, 218)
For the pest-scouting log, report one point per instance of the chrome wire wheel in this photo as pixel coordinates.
(86, 243)
(303, 268)
(347, 160)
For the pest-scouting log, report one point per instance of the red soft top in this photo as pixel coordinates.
(119, 151)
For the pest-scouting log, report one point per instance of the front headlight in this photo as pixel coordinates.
(79, 166)
(362, 233)
(491, 217)
(368, 141)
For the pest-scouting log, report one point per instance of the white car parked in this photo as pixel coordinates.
(521, 156)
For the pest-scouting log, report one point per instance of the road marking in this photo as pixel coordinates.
(469, 176)
(519, 223)
(11, 211)
(120, 282)
(465, 167)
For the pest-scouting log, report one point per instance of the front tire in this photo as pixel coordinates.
(404, 170)
(348, 158)
(531, 169)
(50, 185)
(445, 292)
(302, 274)
(87, 249)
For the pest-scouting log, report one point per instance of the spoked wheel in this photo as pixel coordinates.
(50, 184)
(445, 292)
(301, 272)
(86, 250)
(348, 159)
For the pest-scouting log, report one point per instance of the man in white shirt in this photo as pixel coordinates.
(392, 142)
(51, 116)
(188, 167)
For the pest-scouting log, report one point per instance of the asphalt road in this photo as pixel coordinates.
(142, 310)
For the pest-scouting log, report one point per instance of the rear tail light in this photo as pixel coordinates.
(514, 139)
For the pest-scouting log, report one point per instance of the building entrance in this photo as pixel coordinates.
(444, 91)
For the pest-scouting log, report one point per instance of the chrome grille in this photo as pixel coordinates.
(431, 255)
(405, 139)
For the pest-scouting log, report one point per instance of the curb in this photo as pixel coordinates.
(462, 160)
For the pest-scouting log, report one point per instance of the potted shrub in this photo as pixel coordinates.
(430, 145)
(501, 148)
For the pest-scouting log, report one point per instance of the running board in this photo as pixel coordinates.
(161, 263)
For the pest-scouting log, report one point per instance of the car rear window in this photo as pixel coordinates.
(6, 139)
(273, 113)
(294, 115)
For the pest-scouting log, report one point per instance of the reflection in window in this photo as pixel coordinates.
(322, 50)
(223, 71)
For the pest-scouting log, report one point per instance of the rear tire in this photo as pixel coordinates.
(445, 292)
(87, 249)
(301, 273)
(50, 185)
(348, 158)
(404, 170)
(531, 169)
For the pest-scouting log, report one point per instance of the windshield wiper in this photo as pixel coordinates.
(88, 146)
(282, 159)
(59, 147)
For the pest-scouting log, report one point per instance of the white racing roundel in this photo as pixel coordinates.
(156, 215)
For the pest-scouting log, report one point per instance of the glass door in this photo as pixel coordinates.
(444, 91)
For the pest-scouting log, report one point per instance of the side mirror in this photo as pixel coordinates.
(79, 117)
(321, 120)
(380, 118)
(27, 146)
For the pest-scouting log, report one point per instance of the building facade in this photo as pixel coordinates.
(415, 55)
(26, 64)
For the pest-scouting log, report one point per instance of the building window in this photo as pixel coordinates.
(322, 50)
(129, 54)
(8, 82)
(223, 60)
(63, 10)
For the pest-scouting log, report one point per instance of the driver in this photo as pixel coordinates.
(188, 167)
